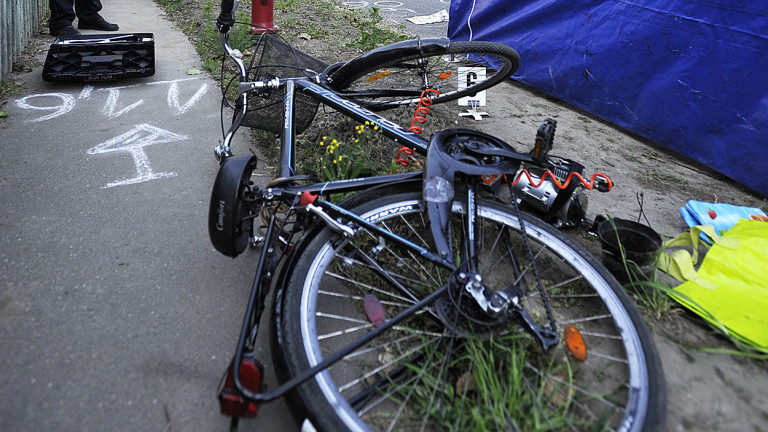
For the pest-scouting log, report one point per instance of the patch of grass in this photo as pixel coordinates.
(631, 157)
(170, 5)
(316, 32)
(652, 175)
(288, 5)
(373, 34)
(344, 156)
(491, 379)
(6, 88)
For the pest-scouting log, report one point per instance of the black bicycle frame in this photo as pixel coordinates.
(328, 97)
(331, 213)
(287, 169)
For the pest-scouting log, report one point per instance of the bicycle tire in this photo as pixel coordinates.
(322, 309)
(386, 81)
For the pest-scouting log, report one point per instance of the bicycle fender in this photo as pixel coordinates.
(226, 210)
(453, 151)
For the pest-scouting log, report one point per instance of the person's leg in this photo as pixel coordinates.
(87, 10)
(62, 15)
(88, 16)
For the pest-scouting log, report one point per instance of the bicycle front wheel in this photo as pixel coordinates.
(449, 366)
(463, 68)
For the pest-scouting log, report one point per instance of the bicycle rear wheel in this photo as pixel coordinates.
(448, 366)
(398, 78)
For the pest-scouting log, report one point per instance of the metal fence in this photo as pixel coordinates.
(18, 20)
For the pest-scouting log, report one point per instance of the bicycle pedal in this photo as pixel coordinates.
(545, 137)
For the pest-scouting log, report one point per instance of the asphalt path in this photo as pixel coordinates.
(115, 311)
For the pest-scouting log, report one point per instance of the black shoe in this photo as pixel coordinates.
(65, 31)
(97, 23)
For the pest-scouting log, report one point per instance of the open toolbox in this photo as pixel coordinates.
(102, 57)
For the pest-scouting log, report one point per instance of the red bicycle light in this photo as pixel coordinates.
(231, 402)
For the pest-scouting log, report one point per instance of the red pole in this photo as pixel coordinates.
(262, 17)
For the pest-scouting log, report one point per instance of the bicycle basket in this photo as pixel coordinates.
(275, 58)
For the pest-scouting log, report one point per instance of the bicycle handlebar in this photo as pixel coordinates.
(226, 18)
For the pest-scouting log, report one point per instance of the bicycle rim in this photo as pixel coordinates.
(400, 80)
(449, 367)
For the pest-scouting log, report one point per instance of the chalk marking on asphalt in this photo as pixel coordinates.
(133, 143)
(86, 92)
(67, 103)
(173, 98)
(172, 81)
(110, 110)
(111, 104)
(388, 4)
(356, 4)
(173, 94)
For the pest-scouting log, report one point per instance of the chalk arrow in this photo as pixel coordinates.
(133, 143)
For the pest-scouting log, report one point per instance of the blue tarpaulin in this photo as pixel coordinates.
(691, 75)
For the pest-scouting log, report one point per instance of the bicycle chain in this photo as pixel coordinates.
(542, 292)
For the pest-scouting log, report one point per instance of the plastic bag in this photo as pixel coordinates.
(722, 216)
(730, 288)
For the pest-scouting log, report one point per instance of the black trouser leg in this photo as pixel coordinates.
(62, 13)
(87, 9)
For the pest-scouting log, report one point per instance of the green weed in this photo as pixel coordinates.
(344, 157)
(373, 34)
(6, 88)
(502, 382)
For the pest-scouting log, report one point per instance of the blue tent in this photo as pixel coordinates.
(689, 74)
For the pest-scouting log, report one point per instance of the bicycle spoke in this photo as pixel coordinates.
(360, 299)
(382, 367)
(451, 365)
(370, 287)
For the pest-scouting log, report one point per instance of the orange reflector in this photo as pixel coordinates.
(444, 75)
(379, 75)
(574, 342)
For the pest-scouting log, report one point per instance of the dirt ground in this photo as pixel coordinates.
(705, 391)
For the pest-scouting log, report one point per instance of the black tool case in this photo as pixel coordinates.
(100, 57)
